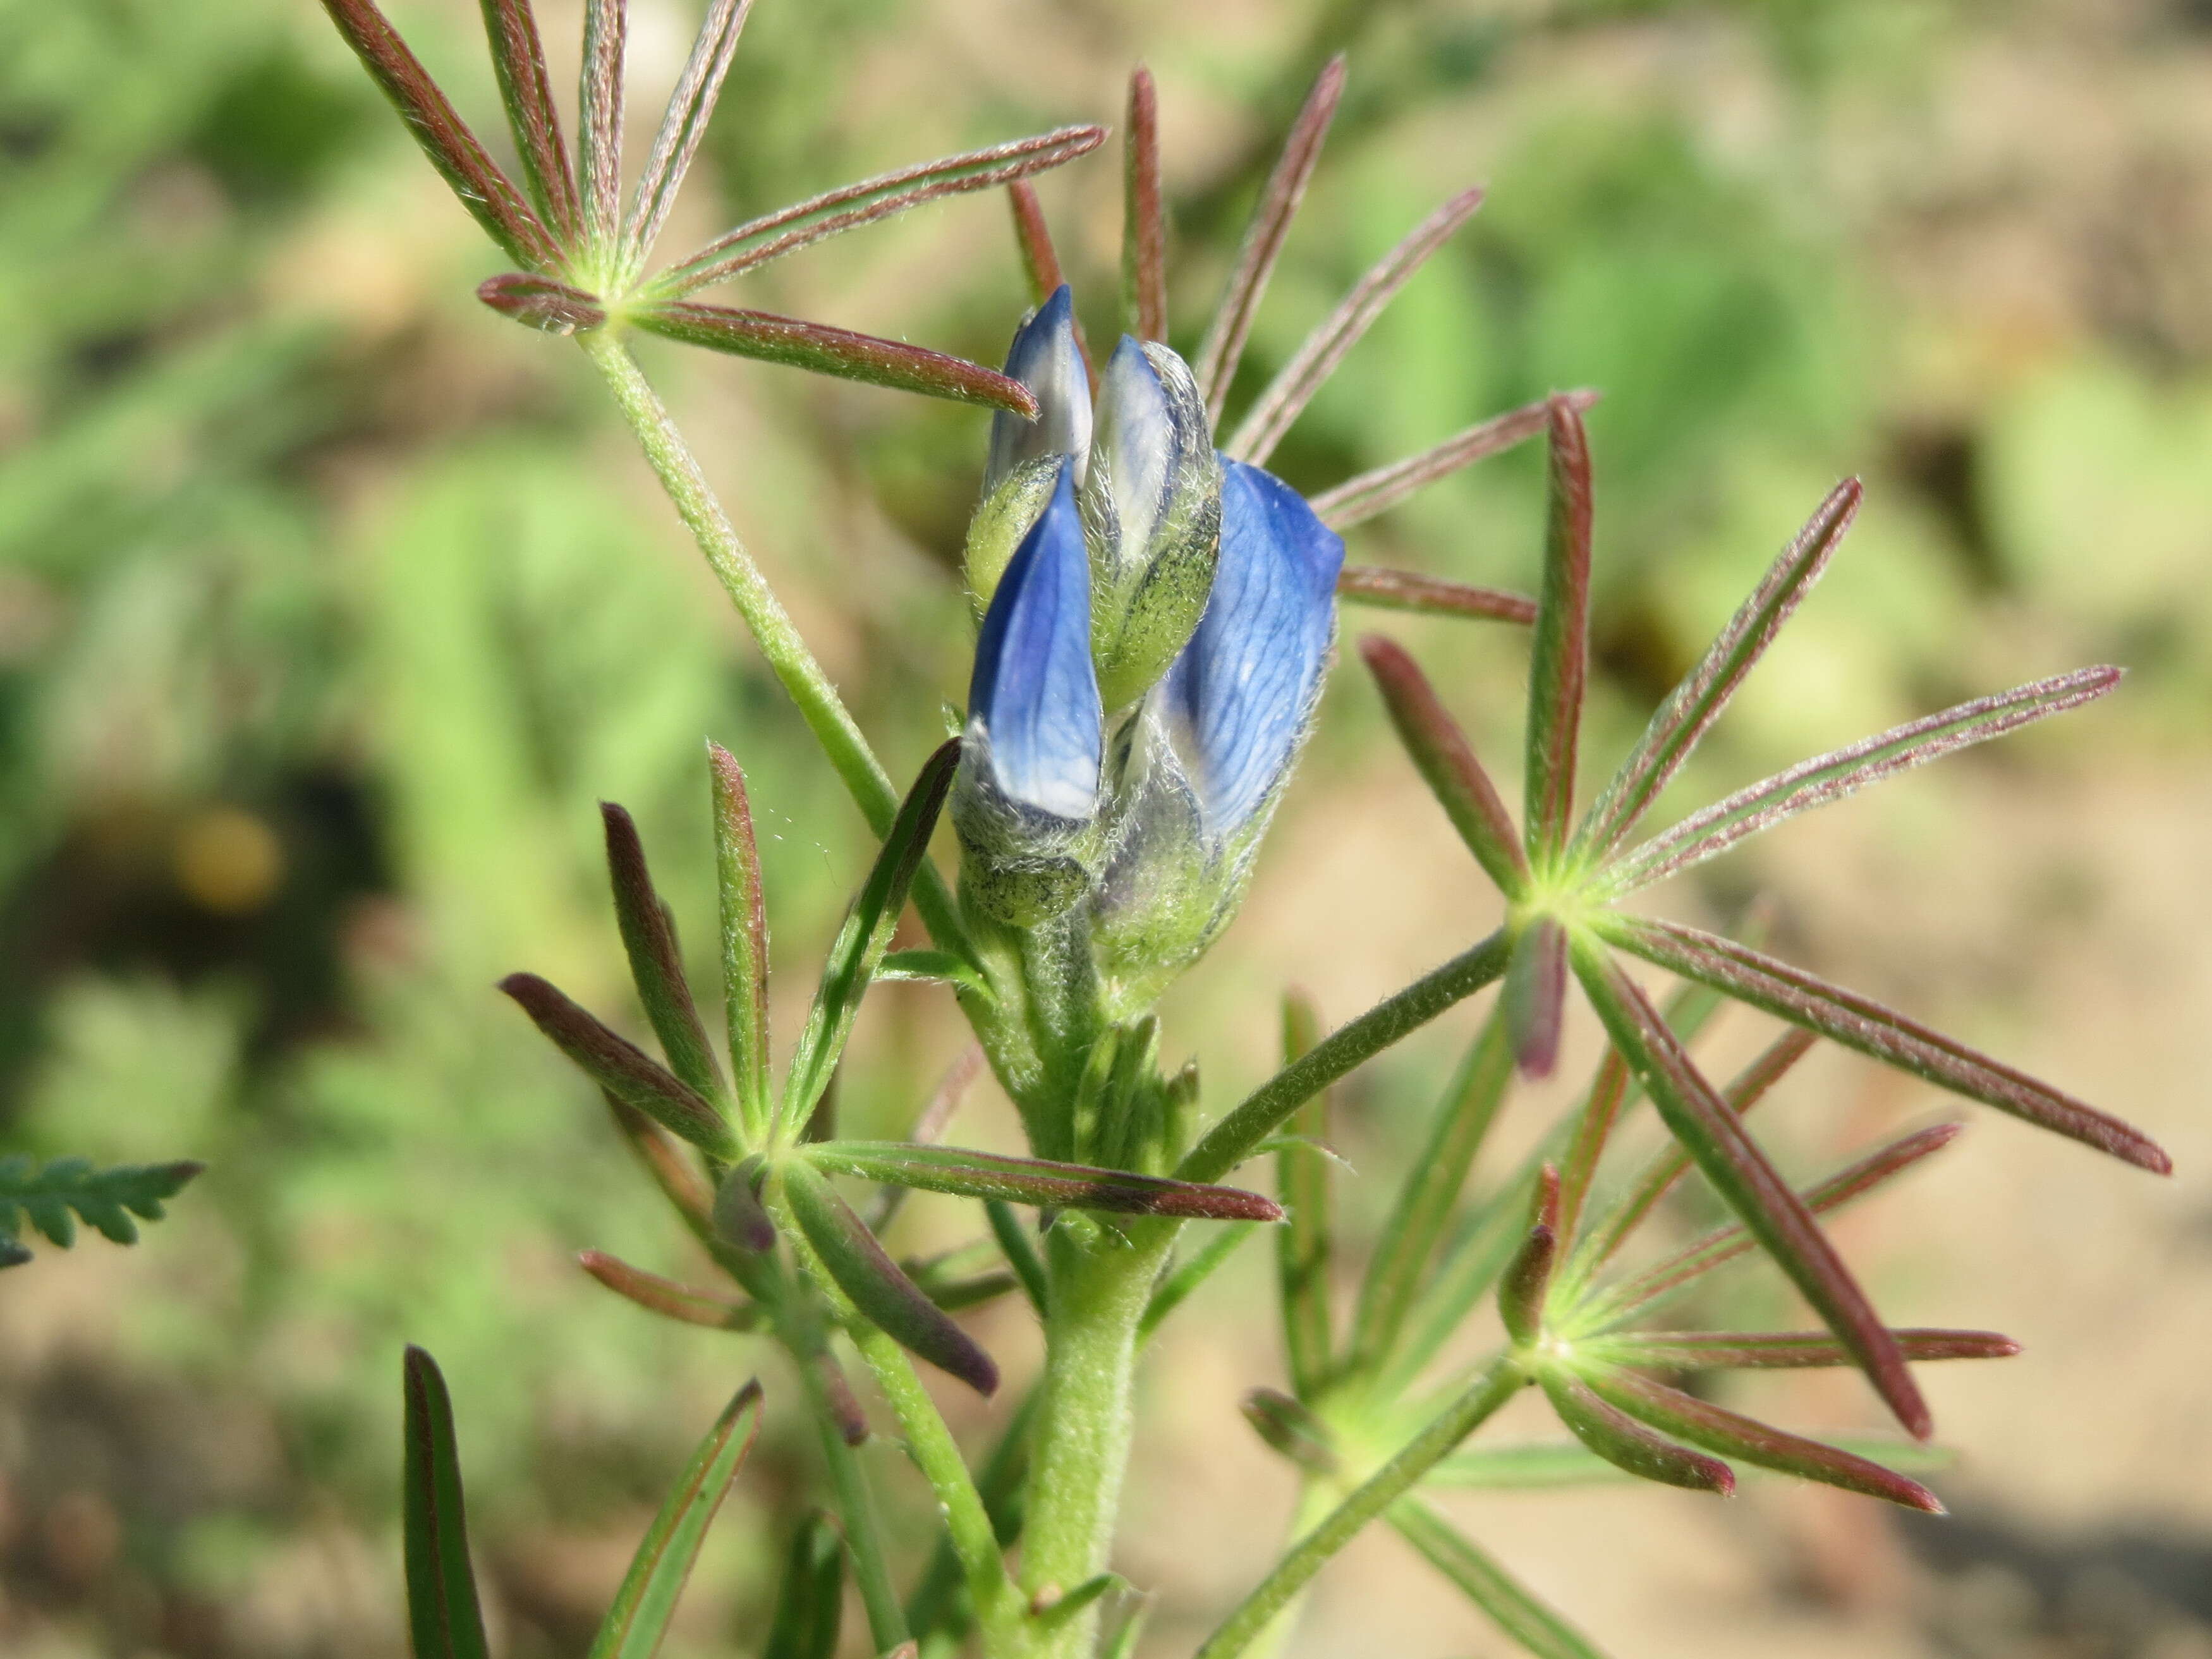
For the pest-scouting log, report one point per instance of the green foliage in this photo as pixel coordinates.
(45, 1196)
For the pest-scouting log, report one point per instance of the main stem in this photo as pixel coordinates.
(770, 624)
(1101, 1278)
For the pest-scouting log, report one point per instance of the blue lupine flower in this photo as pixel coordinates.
(1239, 698)
(1152, 507)
(1033, 700)
(1043, 357)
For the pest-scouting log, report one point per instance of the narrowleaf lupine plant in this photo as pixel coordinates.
(1156, 615)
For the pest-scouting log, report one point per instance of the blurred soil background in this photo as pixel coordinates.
(329, 603)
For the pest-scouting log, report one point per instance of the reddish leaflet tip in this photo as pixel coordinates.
(1144, 221)
(1218, 354)
(1536, 996)
(1409, 590)
(1446, 763)
(1559, 668)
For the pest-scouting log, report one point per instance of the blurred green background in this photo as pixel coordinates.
(329, 603)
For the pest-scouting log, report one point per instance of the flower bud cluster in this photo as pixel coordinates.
(1156, 621)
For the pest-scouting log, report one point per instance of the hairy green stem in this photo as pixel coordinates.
(1498, 1384)
(935, 1453)
(856, 1516)
(819, 705)
(1267, 1107)
(1101, 1282)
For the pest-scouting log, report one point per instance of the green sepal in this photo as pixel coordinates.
(1007, 514)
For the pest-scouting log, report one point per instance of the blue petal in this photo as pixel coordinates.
(1240, 695)
(1044, 359)
(1034, 690)
(1139, 440)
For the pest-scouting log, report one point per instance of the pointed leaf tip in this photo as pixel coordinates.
(1627, 1444)
(656, 962)
(1222, 349)
(542, 303)
(645, 1604)
(884, 1295)
(618, 1065)
(1300, 378)
(1860, 1022)
(1559, 671)
(1739, 1169)
(1144, 227)
(1694, 704)
(443, 1616)
(1446, 763)
(1719, 1429)
(838, 352)
(490, 198)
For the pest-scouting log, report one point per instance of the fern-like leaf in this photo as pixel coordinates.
(52, 1199)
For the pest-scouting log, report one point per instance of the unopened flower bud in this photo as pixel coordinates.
(1151, 510)
(1208, 758)
(1026, 801)
(1044, 358)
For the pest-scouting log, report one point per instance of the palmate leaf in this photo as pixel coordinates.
(1527, 1278)
(1692, 707)
(656, 963)
(517, 55)
(1744, 1092)
(1627, 1444)
(690, 107)
(1446, 763)
(647, 1601)
(1551, 1465)
(600, 100)
(1717, 1429)
(1711, 1350)
(52, 1198)
(683, 1303)
(1637, 1296)
(619, 1066)
(745, 935)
